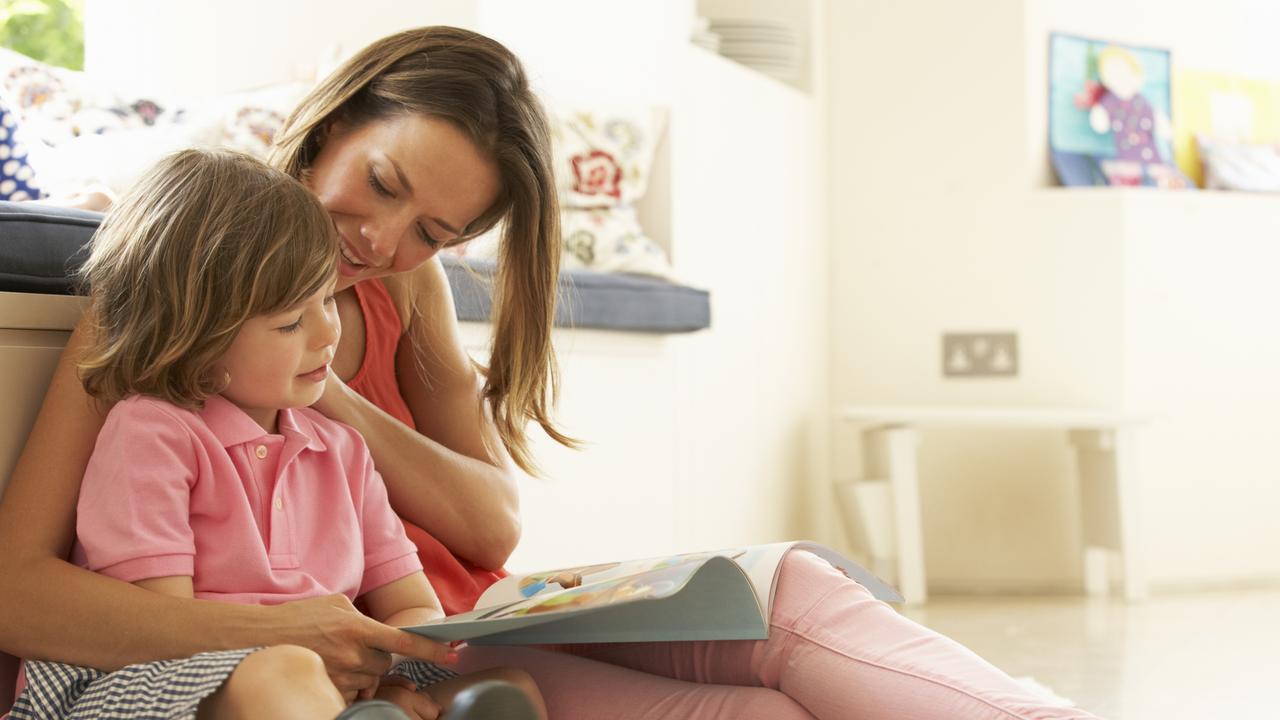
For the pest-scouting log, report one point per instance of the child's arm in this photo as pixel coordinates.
(178, 586)
(409, 599)
(401, 603)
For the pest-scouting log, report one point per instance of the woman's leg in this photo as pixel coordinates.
(840, 653)
(575, 687)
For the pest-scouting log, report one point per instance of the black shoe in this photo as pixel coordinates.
(492, 700)
(372, 710)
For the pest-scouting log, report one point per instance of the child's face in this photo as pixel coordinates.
(399, 190)
(282, 360)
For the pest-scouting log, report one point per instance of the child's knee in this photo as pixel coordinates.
(274, 677)
(279, 665)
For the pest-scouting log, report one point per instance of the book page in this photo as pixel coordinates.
(716, 603)
(726, 594)
(550, 605)
(518, 588)
(759, 562)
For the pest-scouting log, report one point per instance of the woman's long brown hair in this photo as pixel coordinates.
(480, 87)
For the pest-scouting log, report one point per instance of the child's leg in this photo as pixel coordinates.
(283, 682)
(445, 691)
(840, 653)
(574, 687)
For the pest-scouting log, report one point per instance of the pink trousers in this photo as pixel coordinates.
(834, 652)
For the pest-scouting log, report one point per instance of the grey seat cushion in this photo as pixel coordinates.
(604, 301)
(41, 248)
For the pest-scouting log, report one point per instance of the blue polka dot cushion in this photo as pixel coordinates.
(17, 179)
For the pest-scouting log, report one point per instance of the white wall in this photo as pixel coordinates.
(164, 47)
(941, 220)
(575, 48)
(927, 221)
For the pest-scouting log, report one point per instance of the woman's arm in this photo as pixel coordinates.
(439, 475)
(55, 610)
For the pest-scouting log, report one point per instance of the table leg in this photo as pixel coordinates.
(1108, 510)
(1125, 458)
(897, 446)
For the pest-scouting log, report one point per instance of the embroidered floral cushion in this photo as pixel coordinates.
(610, 240)
(603, 160)
(603, 157)
(600, 239)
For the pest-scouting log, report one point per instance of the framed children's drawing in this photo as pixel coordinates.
(1109, 107)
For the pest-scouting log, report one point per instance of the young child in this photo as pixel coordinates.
(212, 288)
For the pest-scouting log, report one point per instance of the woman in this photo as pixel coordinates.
(421, 141)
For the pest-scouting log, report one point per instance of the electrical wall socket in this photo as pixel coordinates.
(979, 354)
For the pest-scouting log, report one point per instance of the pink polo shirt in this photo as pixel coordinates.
(251, 517)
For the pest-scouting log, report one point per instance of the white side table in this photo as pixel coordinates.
(1103, 442)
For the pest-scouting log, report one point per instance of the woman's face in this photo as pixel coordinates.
(399, 189)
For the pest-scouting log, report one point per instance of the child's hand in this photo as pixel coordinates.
(402, 692)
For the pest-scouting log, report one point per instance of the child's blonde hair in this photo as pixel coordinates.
(203, 242)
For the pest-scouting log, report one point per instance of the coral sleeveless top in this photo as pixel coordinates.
(456, 581)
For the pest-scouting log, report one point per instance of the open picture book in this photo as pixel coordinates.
(722, 595)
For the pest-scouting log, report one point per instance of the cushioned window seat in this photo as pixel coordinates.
(41, 245)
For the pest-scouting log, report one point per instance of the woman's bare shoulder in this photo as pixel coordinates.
(427, 313)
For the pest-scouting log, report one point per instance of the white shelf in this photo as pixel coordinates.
(922, 416)
(798, 15)
(1191, 200)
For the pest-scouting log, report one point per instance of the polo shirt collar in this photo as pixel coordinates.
(233, 426)
(295, 425)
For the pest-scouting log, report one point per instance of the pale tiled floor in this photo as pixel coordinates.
(1174, 657)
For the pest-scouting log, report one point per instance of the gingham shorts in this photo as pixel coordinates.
(161, 690)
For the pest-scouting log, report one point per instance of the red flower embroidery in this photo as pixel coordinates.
(597, 173)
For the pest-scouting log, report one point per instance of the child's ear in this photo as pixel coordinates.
(219, 378)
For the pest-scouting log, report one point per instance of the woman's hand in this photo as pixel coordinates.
(356, 649)
(335, 396)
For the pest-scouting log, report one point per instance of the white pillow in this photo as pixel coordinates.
(603, 156)
(115, 156)
(1239, 166)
